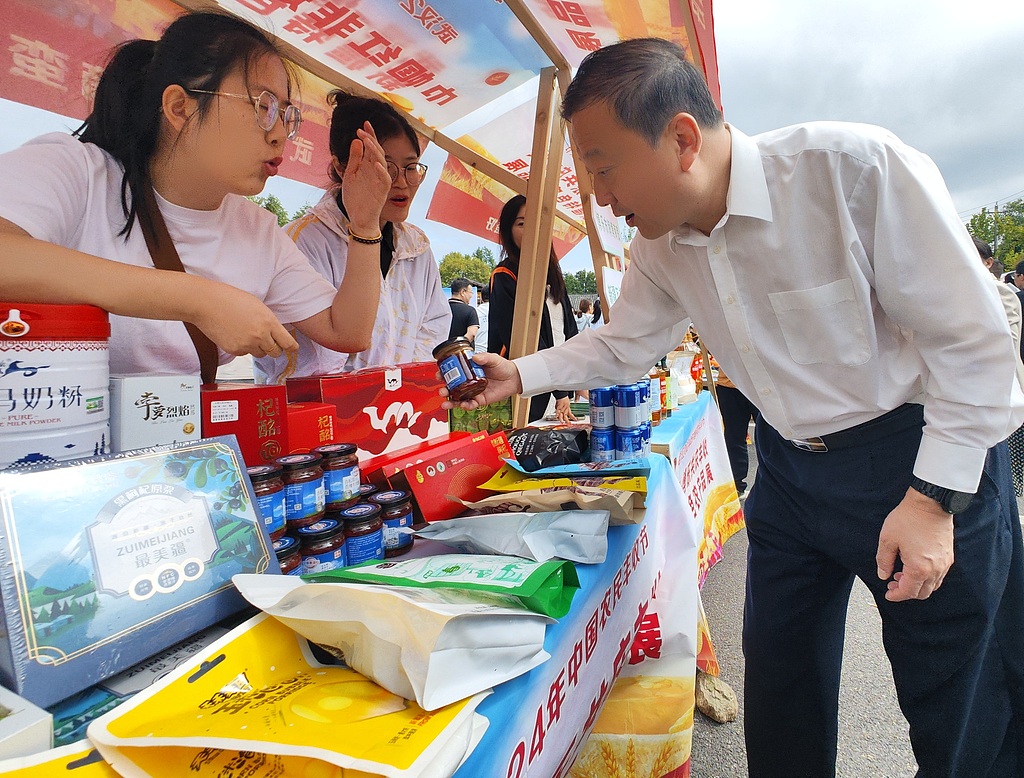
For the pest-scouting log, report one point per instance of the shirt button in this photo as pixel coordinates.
(730, 299)
(766, 392)
(745, 348)
(718, 249)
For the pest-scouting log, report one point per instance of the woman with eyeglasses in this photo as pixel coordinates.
(413, 315)
(187, 127)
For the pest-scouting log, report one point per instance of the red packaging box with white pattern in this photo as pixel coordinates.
(255, 415)
(376, 470)
(310, 425)
(455, 470)
(379, 409)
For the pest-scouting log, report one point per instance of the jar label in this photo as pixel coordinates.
(394, 537)
(272, 510)
(341, 484)
(321, 563)
(305, 499)
(362, 548)
(452, 372)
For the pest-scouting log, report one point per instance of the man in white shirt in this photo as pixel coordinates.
(795, 253)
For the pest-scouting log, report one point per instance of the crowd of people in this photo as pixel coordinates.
(795, 252)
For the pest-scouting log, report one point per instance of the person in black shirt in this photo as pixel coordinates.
(465, 322)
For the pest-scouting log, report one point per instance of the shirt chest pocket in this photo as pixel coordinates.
(823, 325)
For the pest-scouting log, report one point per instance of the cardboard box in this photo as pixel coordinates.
(151, 410)
(24, 728)
(376, 470)
(310, 424)
(105, 561)
(255, 415)
(379, 409)
(456, 469)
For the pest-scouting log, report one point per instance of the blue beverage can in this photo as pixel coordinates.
(629, 443)
(628, 410)
(645, 398)
(602, 408)
(602, 445)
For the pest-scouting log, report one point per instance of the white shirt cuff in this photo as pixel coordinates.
(533, 372)
(949, 466)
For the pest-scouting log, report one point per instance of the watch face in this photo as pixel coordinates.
(958, 502)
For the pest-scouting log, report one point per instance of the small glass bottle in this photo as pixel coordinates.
(396, 513)
(286, 549)
(323, 546)
(366, 491)
(341, 474)
(364, 532)
(270, 497)
(304, 489)
(464, 378)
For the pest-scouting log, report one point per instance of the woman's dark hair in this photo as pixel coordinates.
(510, 251)
(645, 81)
(597, 311)
(350, 111)
(196, 51)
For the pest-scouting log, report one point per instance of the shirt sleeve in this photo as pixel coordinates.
(48, 187)
(907, 222)
(645, 324)
(437, 314)
(297, 290)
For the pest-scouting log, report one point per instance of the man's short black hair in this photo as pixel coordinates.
(459, 284)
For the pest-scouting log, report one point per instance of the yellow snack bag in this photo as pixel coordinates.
(77, 760)
(508, 479)
(258, 704)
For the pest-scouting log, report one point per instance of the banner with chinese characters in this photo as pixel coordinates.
(56, 51)
(468, 200)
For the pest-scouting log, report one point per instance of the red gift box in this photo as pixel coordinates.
(310, 425)
(376, 470)
(255, 415)
(379, 409)
(456, 469)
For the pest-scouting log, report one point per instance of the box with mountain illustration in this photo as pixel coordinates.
(106, 561)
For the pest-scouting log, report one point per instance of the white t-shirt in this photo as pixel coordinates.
(69, 194)
(483, 312)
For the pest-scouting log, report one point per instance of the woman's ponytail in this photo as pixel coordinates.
(125, 118)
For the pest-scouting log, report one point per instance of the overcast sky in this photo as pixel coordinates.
(947, 76)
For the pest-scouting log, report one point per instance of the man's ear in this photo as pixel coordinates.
(178, 106)
(685, 136)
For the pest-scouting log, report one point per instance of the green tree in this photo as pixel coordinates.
(455, 265)
(1004, 231)
(276, 207)
(581, 282)
(485, 255)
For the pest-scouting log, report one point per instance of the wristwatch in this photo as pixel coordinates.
(951, 501)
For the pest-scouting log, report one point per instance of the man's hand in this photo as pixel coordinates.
(920, 532)
(502, 381)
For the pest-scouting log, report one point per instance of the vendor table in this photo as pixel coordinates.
(538, 721)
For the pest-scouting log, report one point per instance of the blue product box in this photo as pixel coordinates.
(108, 560)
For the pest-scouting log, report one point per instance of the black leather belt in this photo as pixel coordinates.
(896, 420)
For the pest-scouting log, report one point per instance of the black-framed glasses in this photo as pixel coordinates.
(267, 108)
(415, 172)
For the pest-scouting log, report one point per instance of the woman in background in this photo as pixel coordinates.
(387, 259)
(558, 323)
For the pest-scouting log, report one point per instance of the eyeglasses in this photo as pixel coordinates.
(267, 108)
(414, 172)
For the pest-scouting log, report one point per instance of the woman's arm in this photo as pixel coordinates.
(41, 272)
(348, 324)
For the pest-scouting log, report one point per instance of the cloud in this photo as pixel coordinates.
(943, 76)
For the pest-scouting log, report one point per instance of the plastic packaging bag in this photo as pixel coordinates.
(579, 536)
(434, 646)
(257, 704)
(617, 502)
(543, 587)
(540, 447)
(77, 760)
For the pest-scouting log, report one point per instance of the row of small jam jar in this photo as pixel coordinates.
(620, 420)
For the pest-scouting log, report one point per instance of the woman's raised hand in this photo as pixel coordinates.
(365, 183)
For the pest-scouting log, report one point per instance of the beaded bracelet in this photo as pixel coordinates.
(366, 241)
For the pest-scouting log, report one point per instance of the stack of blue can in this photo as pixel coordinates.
(620, 420)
